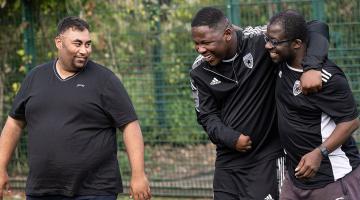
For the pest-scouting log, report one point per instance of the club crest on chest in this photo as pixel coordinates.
(248, 60)
(297, 88)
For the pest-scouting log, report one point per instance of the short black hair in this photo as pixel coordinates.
(72, 22)
(293, 22)
(209, 16)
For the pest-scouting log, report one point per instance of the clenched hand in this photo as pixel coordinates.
(311, 81)
(243, 144)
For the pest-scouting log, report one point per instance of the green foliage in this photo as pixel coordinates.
(148, 44)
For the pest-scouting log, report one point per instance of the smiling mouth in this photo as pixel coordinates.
(82, 59)
(273, 54)
(208, 58)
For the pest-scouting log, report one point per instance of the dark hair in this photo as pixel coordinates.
(72, 22)
(208, 16)
(293, 22)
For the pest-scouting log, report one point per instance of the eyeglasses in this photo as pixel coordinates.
(275, 43)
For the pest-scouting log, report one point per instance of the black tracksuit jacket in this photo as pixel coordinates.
(227, 109)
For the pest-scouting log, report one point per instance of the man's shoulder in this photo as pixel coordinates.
(98, 68)
(96, 65)
(42, 67)
(253, 31)
(197, 65)
(199, 60)
(197, 69)
(47, 64)
(330, 70)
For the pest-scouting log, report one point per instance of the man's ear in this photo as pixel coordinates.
(58, 42)
(227, 34)
(297, 43)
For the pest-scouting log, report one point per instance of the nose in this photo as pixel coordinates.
(84, 50)
(200, 49)
(268, 46)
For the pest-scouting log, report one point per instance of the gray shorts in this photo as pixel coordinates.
(346, 188)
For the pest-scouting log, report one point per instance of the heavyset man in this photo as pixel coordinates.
(72, 107)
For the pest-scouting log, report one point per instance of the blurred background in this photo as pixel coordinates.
(147, 43)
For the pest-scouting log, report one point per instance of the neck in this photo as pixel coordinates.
(298, 57)
(63, 70)
(233, 46)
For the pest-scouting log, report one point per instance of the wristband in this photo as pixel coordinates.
(324, 151)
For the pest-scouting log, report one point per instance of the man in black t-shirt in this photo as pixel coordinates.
(72, 107)
(233, 86)
(315, 130)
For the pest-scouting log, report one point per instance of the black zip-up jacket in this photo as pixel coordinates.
(228, 106)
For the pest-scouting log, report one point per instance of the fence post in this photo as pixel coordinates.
(277, 7)
(158, 74)
(29, 44)
(318, 9)
(233, 11)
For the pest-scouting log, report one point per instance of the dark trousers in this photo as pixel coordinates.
(110, 197)
(346, 188)
(253, 183)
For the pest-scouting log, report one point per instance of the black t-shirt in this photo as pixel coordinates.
(306, 121)
(71, 126)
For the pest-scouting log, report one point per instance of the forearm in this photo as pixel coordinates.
(340, 134)
(317, 45)
(218, 132)
(208, 117)
(317, 51)
(134, 144)
(9, 138)
(316, 54)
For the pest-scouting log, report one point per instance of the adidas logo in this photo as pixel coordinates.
(215, 81)
(269, 197)
(325, 75)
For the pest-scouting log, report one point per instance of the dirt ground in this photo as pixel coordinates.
(21, 196)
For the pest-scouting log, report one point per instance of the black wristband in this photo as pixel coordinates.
(324, 151)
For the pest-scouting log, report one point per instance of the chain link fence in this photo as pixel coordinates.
(153, 57)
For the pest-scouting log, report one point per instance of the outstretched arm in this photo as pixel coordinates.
(8, 140)
(139, 184)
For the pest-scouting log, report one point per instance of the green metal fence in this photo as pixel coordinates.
(147, 43)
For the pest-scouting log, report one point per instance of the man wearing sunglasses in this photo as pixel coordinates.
(322, 158)
(233, 87)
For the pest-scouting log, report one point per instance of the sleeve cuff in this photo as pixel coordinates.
(230, 137)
